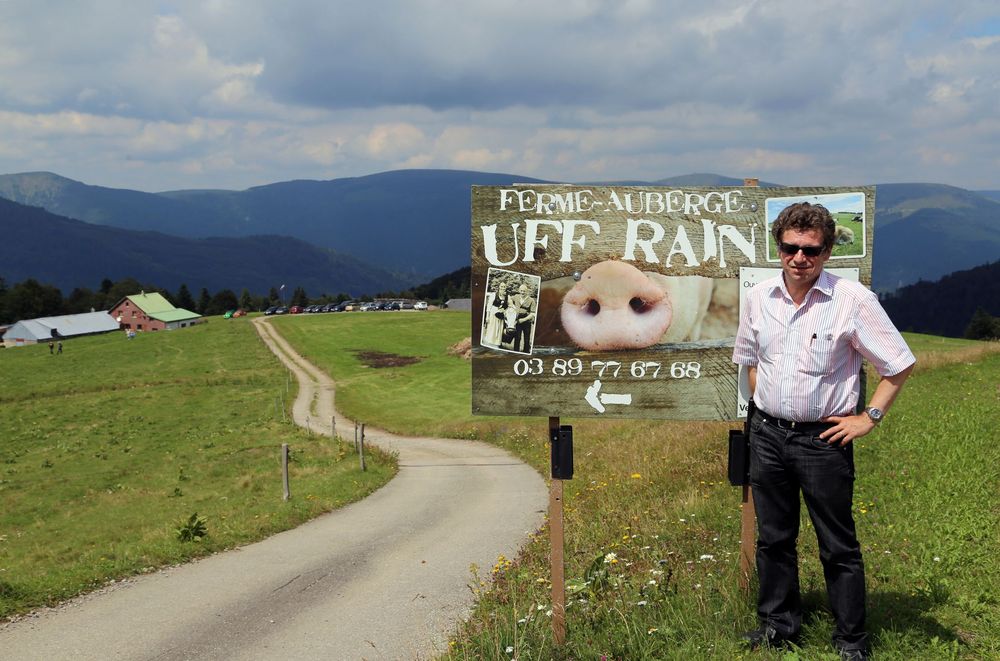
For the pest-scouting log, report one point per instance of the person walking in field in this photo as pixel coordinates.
(802, 336)
(51, 347)
(59, 347)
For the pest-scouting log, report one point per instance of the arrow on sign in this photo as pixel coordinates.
(597, 400)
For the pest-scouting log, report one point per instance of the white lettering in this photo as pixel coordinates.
(711, 251)
(682, 246)
(738, 240)
(614, 202)
(731, 206)
(632, 239)
(570, 239)
(692, 202)
(490, 244)
(531, 238)
(505, 198)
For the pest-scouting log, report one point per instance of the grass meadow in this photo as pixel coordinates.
(652, 525)
(110, 448)
(106, 450)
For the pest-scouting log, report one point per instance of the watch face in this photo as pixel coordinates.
(875, 414)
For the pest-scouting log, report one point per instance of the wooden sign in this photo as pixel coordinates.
(623, 302)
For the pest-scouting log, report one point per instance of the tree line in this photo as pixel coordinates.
(961, 304)
(31, 299)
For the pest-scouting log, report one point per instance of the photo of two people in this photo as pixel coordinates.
(510, 310)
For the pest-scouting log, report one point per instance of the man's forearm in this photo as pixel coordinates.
(887, 390)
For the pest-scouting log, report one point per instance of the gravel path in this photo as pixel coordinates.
(384, 578)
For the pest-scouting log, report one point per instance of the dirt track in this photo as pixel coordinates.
(385, 578)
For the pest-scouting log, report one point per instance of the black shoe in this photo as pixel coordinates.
(767, 636)
(853, 655)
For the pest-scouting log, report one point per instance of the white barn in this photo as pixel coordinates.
(43, 329)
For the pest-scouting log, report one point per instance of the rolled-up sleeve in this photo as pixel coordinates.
(876, 338)
(745, 349)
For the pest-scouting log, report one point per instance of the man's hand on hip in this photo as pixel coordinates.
(847, 428)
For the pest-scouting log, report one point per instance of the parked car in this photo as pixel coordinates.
(295, 309)
(420, 305)
(330, 307)
(271, 310)
(281, 309)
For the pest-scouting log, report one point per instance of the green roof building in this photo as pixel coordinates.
(151, 312)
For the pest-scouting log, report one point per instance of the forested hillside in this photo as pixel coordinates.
(68, 253)
(947, 306)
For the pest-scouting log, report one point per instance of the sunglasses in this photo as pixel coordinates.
(792, 249)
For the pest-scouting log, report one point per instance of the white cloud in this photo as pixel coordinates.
(235, 94)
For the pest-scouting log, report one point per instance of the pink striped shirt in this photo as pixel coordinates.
(808, 358)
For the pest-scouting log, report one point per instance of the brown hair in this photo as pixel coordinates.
(803, 216)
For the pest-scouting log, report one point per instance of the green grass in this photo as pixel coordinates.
(927, 503)
(107, 449)
(654, 494)
(431, 396)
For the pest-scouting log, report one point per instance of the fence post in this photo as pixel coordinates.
(362, 448)
(284, 470)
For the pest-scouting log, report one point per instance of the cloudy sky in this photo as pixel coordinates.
(231, 94)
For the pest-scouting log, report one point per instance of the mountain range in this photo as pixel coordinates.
(70, 253)
(414, 224)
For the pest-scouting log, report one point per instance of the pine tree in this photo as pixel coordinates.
(204, 302)
(184, 299)
(299, 297)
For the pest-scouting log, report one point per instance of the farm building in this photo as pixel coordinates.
(43, 329)
(151, 312)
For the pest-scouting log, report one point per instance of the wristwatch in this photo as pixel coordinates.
(875, 414)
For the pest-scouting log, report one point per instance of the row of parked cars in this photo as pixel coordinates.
(347, 306)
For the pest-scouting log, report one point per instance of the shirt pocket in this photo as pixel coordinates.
(819, 355)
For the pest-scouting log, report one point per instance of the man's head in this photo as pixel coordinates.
(804, 234)
(803, 216)
(523, 289)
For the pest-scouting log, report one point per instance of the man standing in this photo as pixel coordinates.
(802, 337)
(526, 306)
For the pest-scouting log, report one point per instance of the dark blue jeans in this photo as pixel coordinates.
(783, 463)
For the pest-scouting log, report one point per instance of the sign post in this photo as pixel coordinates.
(748, 514)
(556, 542)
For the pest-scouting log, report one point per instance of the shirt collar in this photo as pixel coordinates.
(823, 284)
